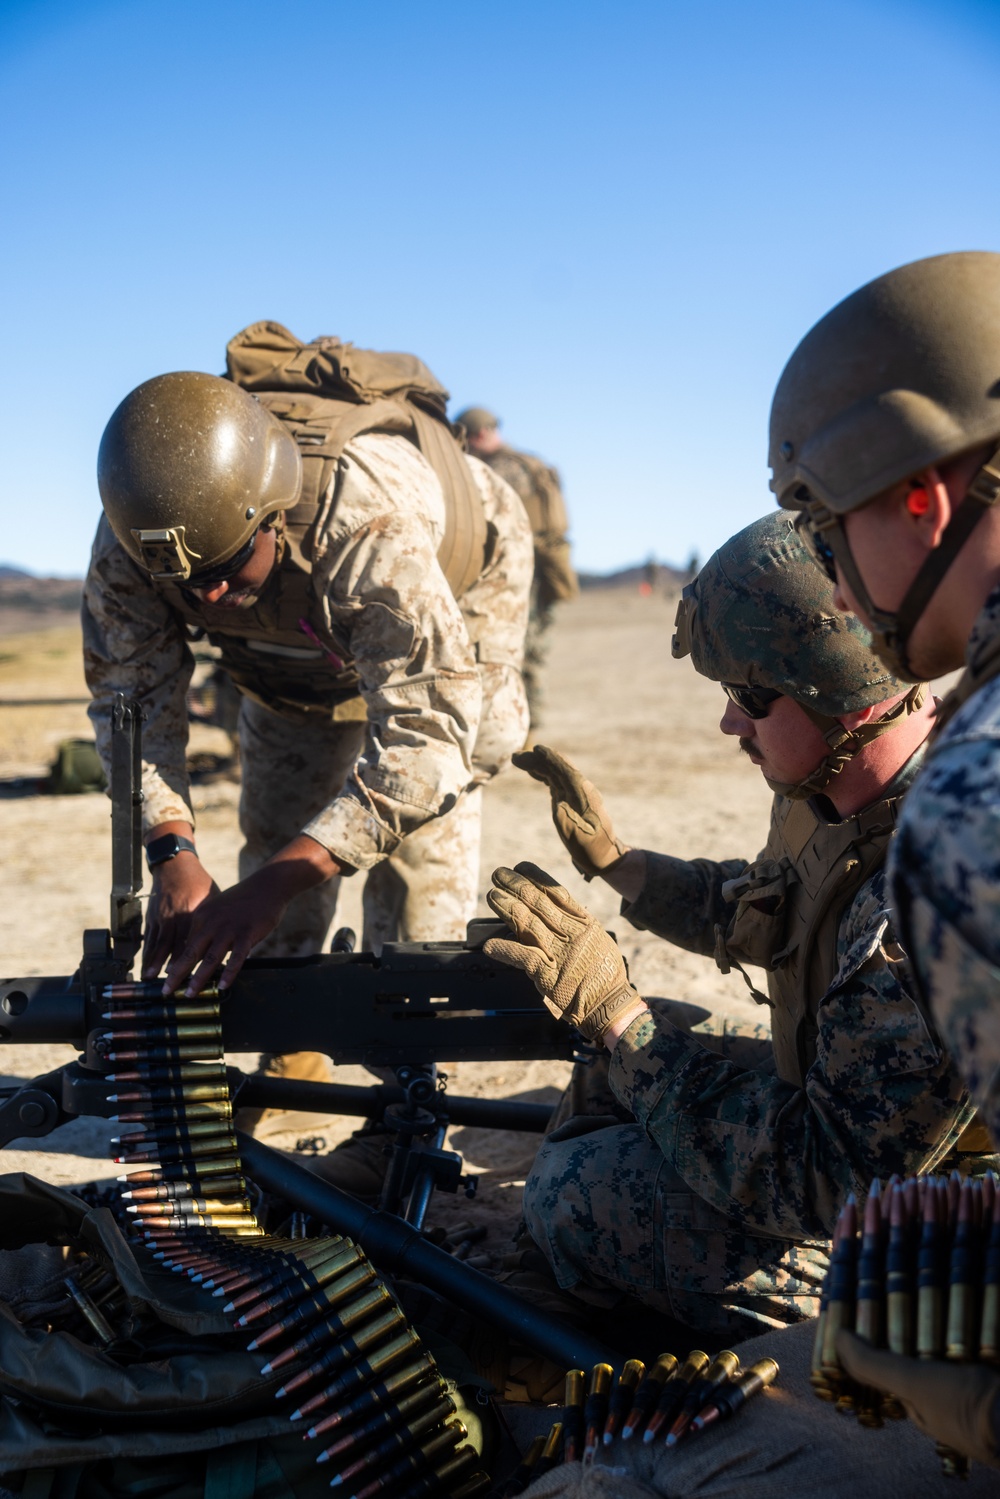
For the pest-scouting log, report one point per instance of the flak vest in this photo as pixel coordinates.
(281, 651)
(789, 905)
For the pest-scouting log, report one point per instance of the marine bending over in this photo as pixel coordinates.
(367, 586)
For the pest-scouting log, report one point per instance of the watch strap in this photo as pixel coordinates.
(159, 850)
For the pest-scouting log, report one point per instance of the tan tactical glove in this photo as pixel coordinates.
(574, 964)
(957, 1404)
(578, 812)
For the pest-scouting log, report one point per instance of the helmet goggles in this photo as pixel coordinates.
(210, 576)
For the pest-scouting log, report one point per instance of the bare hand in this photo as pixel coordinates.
(180, 886)
(231, 924)
(227, 924)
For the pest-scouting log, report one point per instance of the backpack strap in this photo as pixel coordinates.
(343, 392)
(462, 552)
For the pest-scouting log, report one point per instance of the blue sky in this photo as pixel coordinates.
(610, 223)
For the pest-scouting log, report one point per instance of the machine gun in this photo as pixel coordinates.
(410, 1008)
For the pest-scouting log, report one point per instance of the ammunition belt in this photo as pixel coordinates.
(917, 1272)
(670, 1400)
(354, 1372)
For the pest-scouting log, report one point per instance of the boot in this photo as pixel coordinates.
(357, 1165)
(519, 1375)
(311, 1067)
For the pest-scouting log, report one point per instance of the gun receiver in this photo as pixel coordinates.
(417, 1003)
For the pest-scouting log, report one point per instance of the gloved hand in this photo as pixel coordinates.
(958, 1404)
(579, 814)
(575, 966)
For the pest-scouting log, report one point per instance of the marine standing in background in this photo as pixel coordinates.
(885, 438)
(712, 1196)
(542, 496)
(367, 586)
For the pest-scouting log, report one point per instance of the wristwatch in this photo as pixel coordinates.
(159, 850)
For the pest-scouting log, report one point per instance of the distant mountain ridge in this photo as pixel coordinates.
(657, 574)
(27, 597)
(28, 602)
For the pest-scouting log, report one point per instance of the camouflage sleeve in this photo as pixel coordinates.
(943, 866)
(880, 1098)
(495, 610)
(133, 643)
(387, 599)
(513, 471)
(682, 902)
(495, 607)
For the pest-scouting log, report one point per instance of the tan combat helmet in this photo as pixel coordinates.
(477, 419)
(760, 619)
(189, 467)
(902, 375)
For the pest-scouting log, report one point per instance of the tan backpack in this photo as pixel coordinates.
(328, 392)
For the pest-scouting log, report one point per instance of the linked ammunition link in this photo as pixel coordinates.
(84, 1298)
(919, 1274)
(356, 1371)
(669, 1400)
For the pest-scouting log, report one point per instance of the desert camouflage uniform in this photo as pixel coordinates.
(715, 1206)
(396, 792)
(541, 494)
(945, 872)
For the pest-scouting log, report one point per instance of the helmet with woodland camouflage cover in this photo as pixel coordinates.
(901, 376)
(761, 615)
(189, 467)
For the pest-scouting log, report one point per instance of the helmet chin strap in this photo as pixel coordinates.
(845, 743)
(891, 630)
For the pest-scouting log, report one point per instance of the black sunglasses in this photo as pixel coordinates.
(228, 569)
(755, 702)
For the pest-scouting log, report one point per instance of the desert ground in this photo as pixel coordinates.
(643, 726)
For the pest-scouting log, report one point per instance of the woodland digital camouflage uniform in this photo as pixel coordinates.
(715, 1207)
(945, 873)
(396, 791)
(541, 495)
(735, 1175)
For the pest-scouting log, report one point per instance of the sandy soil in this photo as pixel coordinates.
(644, 727)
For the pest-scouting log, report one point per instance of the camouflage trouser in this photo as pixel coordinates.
(536, 649)
(614, 1218)
(425, 892)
